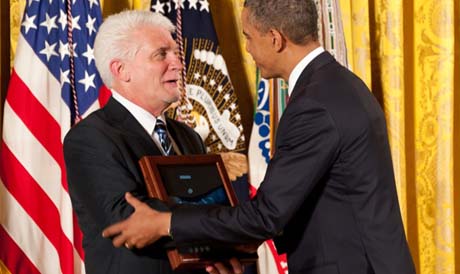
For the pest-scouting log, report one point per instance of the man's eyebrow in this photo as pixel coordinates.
(160, 49)
(167, 48)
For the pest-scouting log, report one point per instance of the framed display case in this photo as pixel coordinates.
(192, 179)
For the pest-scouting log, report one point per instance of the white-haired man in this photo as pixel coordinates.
(138, 59)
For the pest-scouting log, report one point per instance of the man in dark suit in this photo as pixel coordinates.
(137, 58)
(329, 197)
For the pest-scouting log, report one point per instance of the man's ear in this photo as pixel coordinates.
(278, 40)
(119, 71)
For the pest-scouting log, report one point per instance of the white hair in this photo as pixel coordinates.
(114, 38)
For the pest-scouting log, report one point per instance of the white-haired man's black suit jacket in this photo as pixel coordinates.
(101, 156)
(329, 197)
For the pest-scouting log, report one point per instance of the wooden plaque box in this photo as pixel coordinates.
(192, 179)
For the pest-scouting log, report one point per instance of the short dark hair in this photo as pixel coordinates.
(297, 19)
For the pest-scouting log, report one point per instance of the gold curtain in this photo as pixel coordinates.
(411, 50)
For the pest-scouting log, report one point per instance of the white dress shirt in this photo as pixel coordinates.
(298, 69)
(145, 118)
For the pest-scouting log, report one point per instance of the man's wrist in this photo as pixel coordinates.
(167, 223)
(169, 232)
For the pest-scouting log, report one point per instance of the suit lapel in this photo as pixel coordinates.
(119, 117)
(177, 135)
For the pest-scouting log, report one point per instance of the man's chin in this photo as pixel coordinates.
(266, 74)
(175, 99)
(174, 103)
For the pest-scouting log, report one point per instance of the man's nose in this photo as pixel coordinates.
(176, 63)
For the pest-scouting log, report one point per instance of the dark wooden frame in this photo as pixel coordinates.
(155, 187)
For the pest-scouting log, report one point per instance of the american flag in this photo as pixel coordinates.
(38, 231)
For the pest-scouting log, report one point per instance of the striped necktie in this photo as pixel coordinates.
(160, 130)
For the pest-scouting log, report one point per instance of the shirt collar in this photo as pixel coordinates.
(144, 117)
(298, 69)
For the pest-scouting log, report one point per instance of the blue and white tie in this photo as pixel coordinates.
(160, 130)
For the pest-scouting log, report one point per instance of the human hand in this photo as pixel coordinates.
(221, 268)
(235, 163)
(143, 227)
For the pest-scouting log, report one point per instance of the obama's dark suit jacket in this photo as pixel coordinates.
(329, 197)
(101, 156)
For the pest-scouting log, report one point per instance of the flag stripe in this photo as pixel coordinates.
(104, 95)
(78, 262)
(267, 260)
(29, 238)
(39, 82)
(22, 143)
(252, 191)
(46, 130)
(46, 216)
(37, 119)
(95, 106)
(13, 257)
(42, 168)
(281, 259)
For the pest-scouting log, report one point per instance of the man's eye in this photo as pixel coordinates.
(160, 54)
